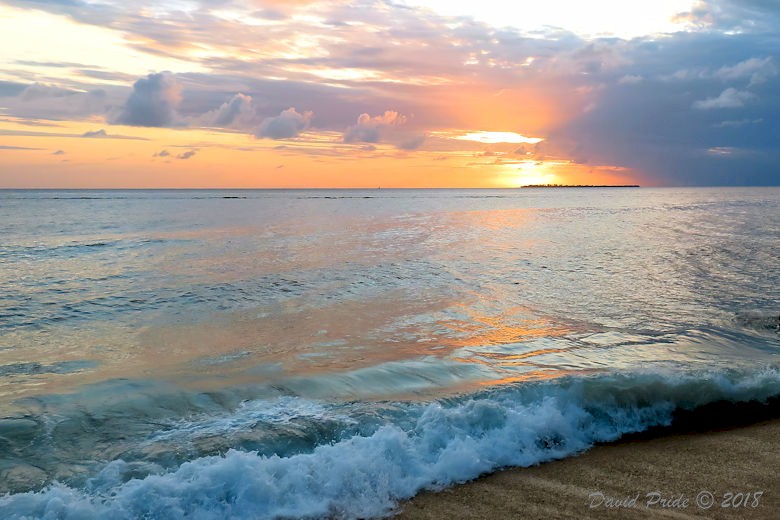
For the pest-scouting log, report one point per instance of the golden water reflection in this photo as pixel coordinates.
(314, 334)
(302, 340)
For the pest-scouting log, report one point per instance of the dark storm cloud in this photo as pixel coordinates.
(698, 93)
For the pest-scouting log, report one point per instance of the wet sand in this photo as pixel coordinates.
(679, 464)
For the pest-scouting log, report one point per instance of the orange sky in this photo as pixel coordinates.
(284, 95)
(199, 158)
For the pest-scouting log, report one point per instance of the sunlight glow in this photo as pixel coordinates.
(533, 172)
(498, 137)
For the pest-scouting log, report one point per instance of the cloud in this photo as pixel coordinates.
(725, 151)
(95, 134)
(729, 98)
(7, 147)
(735, 16)
(630, 79)
(153, 102)
(238, 112)
(186, 155)
(759, 70)
(289, 123)
(369, 129)
(736, 123)
(49, 101)
(102, 134)
(98, 134)
(106, 75)
(412, 143)
(59, 152)
(162, 153)
(661, 129)
(756, 70)
(656, 103)
(41, 90)
(10, 88)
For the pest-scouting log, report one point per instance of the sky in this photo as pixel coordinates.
(390, 93)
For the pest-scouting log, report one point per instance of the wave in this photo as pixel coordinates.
(414, 446)
(758, 320)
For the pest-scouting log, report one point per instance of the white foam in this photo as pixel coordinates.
(363, 476)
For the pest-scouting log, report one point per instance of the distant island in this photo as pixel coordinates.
(581, 186)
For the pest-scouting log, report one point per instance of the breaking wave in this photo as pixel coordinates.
(399, 449)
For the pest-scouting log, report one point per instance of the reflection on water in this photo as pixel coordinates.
(203, 290)
(159, 327)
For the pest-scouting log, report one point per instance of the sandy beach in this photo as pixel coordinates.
(682, 475)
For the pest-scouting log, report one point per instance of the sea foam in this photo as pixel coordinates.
(425, 446)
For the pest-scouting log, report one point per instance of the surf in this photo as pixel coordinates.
(403, 448)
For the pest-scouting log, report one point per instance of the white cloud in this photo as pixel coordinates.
(729, 98)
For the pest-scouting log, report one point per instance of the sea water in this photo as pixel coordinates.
(261, 354)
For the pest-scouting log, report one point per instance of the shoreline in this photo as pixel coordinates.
(658, 473)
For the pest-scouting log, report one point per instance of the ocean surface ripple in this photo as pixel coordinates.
(276, 354)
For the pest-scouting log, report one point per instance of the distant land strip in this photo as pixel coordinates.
(581, 186)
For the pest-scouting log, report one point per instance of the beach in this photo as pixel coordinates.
(664, 475)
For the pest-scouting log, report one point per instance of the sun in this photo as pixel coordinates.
(529, 173)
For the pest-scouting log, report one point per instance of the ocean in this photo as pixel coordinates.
(216, 354)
